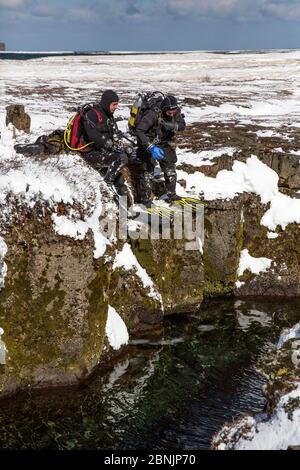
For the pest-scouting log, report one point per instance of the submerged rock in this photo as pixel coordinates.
(278, 427)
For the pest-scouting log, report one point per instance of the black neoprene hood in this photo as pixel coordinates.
(169, 102)
(108, 97)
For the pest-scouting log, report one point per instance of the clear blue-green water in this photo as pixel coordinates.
(172, 392)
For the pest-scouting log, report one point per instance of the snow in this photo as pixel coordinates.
(284, 210)
(3, 266)
(262, 432)
(127, 260)
(254, 265)
(3, 348)
(252, 176)
(256, 109)
(239, 284)
(204, 157)
(241, 88)
(254, 433)
(277, 433)
(287, 334)
(270, 133)
(250, 87)
(63, 178)
(237, 88)
(272, 235)
(116, 329)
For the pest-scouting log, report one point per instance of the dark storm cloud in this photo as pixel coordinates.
(150, 24)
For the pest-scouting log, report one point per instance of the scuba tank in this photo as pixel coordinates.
(144, 101)
(134, 111)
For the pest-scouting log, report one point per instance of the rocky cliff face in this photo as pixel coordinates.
(60, 277)
(54, 306)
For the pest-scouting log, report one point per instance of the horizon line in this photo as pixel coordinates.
(141, 51)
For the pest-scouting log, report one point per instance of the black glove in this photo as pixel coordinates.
(170, 125)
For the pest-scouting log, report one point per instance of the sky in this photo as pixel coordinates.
(149, 25)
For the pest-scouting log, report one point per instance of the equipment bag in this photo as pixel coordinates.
(52, 144)
(74, 133)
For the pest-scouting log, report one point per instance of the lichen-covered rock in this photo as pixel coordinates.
(53, 308)
(282, 279)
(222, 246)
(134, 294)
(16, 115)
(278, 427)
(177, 272)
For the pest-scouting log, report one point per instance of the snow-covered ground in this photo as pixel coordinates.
(241, 89)
(249, 87)
(260, 89)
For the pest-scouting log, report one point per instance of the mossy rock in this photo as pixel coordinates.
(53, 308)
(283, 277)
(223, 241)
(176, 271)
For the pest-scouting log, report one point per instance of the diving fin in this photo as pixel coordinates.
(161, 211)
(190, 202)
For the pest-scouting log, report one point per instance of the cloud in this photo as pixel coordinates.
(240, 10)
(204, 8)
(132, 10)
(12, 3)
(281, 9)
(147, 11)
(47, 11)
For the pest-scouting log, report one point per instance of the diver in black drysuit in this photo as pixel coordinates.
(156, 141)
(100, 128)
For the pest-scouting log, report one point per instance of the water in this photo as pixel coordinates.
(172, 392)
(38, 55)
(24, 55)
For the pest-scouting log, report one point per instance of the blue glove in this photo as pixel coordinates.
(156, 152)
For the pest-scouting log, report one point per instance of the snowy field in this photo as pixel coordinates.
(249, 88)
(233, 103)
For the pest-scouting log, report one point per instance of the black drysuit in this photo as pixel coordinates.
(155, 128)
(100, 128)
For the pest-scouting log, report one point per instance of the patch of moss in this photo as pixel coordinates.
(219, 283)
(28, 320)
(37, 315)
(170, 266)
(97, 314)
